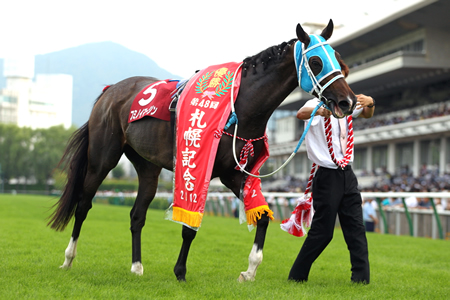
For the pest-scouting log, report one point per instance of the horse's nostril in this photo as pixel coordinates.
(344, 105)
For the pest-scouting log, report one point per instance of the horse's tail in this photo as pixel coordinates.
(74, 161)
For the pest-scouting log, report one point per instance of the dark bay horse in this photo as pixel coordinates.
(96, 147)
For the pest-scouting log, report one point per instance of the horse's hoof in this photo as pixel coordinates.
(137, 268)
(65, 267)
(67, 263)
(245, 277)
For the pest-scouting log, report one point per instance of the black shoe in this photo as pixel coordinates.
(297, 280)
(360, 281)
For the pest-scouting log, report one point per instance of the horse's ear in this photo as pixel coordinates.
(302, 36)
(328, 31)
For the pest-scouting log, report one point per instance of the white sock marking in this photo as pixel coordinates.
(137, 268)
(71, 252)
(254, 260)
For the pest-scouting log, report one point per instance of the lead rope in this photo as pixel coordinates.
(349, 151)
(302, 215)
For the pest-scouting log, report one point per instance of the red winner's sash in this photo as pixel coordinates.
(203, 108)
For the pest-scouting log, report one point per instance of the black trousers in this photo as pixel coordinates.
(370, 226)
(335, 191)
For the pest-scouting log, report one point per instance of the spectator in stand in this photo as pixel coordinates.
(438, 204)
(424, 203)
(397, 202)
(369, 215)
(386, 201)
(235, 206)
(448, 206)
(425, 113)
(411, 202)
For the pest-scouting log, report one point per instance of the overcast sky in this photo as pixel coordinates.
(181, 36)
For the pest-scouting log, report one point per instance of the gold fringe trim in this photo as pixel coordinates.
(254, 214)
(193, 219)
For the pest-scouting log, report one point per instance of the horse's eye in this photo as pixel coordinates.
(316, 65)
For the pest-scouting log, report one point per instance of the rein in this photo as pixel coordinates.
(319, 44)
(302, 138)
(234, 120)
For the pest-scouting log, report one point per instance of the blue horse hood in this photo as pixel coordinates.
(318, 46)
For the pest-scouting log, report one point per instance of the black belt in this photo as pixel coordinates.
(346, 168)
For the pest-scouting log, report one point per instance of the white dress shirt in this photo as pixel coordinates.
(316, 140)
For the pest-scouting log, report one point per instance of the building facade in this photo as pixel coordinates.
(402, 61)
(42, 103)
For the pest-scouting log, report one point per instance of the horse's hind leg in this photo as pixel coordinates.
(148, 182)
(99, 165)
(256, 255)
(92, 182)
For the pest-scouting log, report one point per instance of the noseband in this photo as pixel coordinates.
(309, 82)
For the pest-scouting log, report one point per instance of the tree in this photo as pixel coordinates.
(118, 172)
(49, 145)
(15, 149)
(26, 153)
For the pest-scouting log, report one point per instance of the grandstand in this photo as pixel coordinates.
(403, 62)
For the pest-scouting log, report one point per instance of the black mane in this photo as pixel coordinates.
(271, 54)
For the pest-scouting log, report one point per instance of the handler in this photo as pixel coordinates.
(335, 190)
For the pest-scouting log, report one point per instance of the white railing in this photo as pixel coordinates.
(397, 220)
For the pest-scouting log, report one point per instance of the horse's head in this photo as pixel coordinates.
(321, 71)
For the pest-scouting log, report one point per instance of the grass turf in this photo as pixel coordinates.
(402, 267)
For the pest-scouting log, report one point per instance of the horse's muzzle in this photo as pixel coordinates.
(343, 108)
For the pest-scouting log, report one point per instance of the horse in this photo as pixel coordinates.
(96, 147)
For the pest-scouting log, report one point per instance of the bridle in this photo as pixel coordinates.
(309, 82)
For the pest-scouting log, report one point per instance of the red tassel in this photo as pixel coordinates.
(300, 217)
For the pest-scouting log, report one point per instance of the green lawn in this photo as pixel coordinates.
(402, 267)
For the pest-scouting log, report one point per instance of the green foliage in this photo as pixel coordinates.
(402, 267)
(118, 172)
(48, 148)
(25, 152)
(36, 153)
(165, 186)
(121, 185)
(15, 149)
(160, 203)
(157, 203)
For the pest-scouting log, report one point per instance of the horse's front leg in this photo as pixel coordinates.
(256, 255)
(188, 235)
